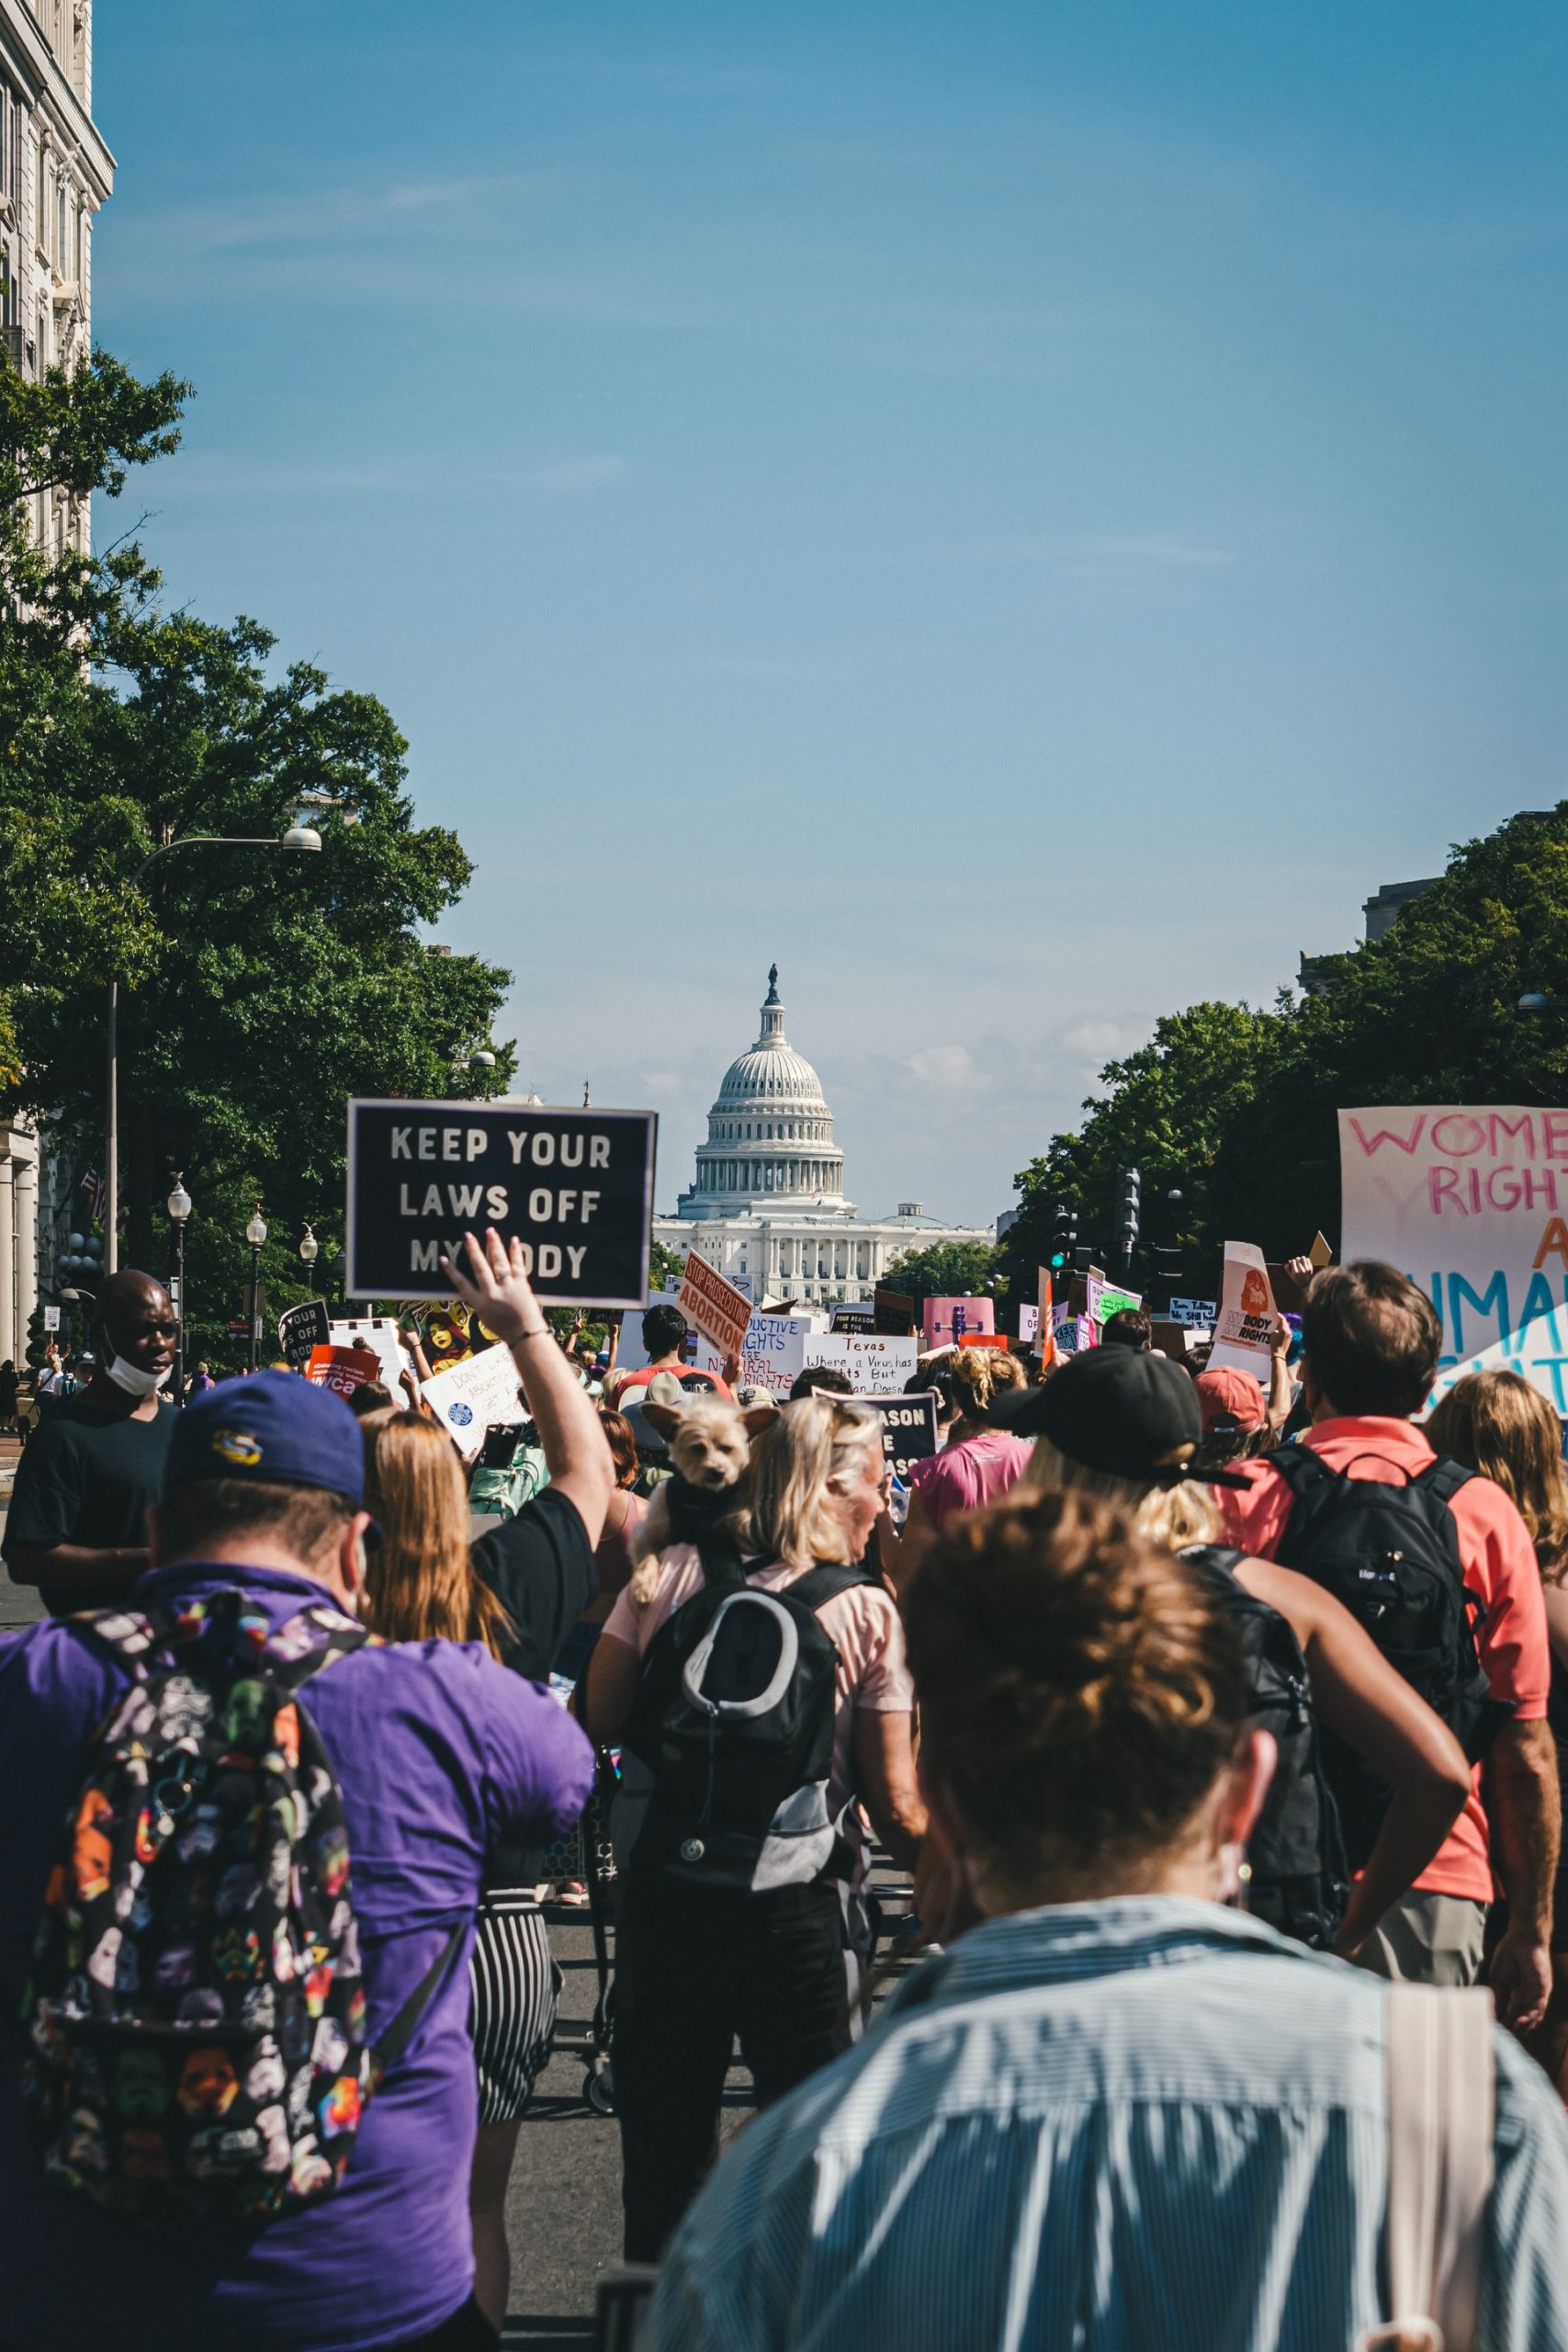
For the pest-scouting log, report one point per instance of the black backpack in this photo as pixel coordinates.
(1388, 1549)
(724, 1761)
(1297, 1880)
(195, 2014)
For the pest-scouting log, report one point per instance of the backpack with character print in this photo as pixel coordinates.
(195, 2014)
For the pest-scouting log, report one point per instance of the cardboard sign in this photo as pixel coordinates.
(469, 1396)
(775, 1352)
(1169, 1338)
(873, 1366)
(908, 1431)
(716, 1306)
(1289, 1297)
(1106, 1299)
(1472, 1203)
(343, 1370)
(302, 1328)
(575, 1187)
(945, 1320)
(892, 1313)
(1320, 1253)
(1245, 1329)
(1193, 1310)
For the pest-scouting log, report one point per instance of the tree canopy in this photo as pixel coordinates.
(259, 986)
(944, 1270)
(1235, 1108)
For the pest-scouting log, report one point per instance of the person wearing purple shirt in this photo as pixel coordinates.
(441, 1756)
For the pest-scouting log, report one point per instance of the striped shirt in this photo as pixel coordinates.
(1102, 2127)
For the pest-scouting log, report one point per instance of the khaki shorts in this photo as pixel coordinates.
(1427, 1940)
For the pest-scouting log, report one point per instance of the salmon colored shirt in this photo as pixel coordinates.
(1499, 1568)
(966, 1475)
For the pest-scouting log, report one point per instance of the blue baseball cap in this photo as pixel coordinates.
(273, 1426)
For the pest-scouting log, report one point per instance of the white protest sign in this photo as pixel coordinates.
(1028, 1321)
(1192, 1310)
(468, 1396)
(873, 1365)
(380, 1333)
(1471, 1202)
(775, 1352)
(52, 1319)
(1247, 1318)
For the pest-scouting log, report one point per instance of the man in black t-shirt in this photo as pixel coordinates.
(77, 1523)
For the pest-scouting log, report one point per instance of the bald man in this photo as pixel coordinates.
(77, 1523)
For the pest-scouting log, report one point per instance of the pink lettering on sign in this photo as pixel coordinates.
(1465, 1134)
(1555, 1134)
(1388, 1134)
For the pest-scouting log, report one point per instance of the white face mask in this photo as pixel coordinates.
(132, 1379)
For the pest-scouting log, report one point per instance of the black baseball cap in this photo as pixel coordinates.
(1118, 1410)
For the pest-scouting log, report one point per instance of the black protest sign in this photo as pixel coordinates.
(893, 1314)
(575, 1187)
(304, 1328)
(908, 1429)
(859, 1322)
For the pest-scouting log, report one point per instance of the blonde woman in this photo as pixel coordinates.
(1126, 1427)
(1496, 1423)
(421, 1587)
(699, 1965)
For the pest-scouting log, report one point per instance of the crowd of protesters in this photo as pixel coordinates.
(1191, 1708)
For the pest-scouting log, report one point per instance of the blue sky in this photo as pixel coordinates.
(1026, 512)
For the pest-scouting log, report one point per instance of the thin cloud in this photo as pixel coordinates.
(398, 478)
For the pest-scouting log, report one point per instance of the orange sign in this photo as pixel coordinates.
(343, 1370)
(720, 1312)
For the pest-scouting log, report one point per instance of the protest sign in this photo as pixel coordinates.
(467, 1397)
(773, 1351)
(1169, 1338)
(302, 1328)
(576, 1187)
(1028, 1321)
(52, 1319)
(854, 1318)
(1106, 1299)
(983, 1340)
(380, 1333)
(1472, 1203)
(908, 1430)
(945, 1320)
(1193, 1310)
(1045, 1316)
(893, 1313)
(1245, 1329)
(1320, 1253)
(343, 1370)
(873, 1366)
(716, 1306)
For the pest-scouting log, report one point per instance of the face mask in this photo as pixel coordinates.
(134, 1380)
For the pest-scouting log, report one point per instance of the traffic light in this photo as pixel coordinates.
(1129, 1187)
(1062, 1240)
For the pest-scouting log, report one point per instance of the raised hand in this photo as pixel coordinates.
(495, 1287)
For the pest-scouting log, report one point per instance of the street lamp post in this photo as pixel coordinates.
(179, 1207)
(309, 1248)
(255, 1234)
(296, 837)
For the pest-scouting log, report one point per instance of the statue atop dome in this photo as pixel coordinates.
(773, 995)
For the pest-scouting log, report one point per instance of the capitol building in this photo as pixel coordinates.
(767, 1208)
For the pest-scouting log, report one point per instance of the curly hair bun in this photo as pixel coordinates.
(1080, 1691)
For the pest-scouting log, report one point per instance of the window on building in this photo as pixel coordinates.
(61, 227)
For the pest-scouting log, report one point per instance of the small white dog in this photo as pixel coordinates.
(710, 1444)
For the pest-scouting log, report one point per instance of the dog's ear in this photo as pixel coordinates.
(665, 1419)
(758, 1417)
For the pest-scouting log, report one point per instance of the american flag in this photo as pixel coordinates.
(94, 1186)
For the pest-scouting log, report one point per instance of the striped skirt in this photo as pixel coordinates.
(512, 1986)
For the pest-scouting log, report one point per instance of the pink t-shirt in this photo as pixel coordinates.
(863, 1624)
(974, 1471)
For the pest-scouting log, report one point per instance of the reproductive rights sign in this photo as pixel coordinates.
(575, 1187)
(1472, 1203)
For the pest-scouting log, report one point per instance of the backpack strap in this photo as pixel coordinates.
(1443, 1478)
(723, 1568)
(820, 1584)
(400, 2032)
(1442, 2100)
(1301, 1468)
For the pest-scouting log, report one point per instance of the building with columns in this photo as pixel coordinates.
(55, 172)
(767, 1207)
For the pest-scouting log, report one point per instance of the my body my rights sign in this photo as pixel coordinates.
(575, 1187)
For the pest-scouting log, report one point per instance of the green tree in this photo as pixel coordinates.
(259, 988)
(946, 1270)
(665, 1267)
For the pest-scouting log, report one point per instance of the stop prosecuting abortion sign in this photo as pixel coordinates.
(575, 1187)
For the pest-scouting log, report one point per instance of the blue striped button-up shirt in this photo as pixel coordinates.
(1143, 2125)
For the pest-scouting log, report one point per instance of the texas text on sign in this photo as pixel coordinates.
(575, 1187)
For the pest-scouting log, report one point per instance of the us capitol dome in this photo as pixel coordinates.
(767, 1208)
